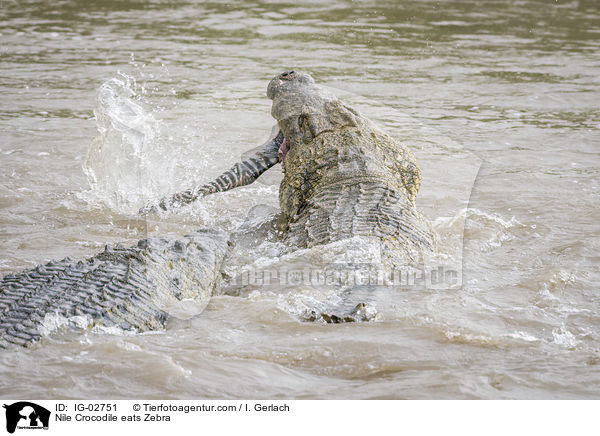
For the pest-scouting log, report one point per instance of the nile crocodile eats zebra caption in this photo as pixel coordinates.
(343, 177)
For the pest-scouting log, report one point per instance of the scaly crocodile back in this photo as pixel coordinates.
(353, 181)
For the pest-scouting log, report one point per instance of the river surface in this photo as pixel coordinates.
(107, 105)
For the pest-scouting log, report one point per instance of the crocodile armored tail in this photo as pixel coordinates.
(127, 287)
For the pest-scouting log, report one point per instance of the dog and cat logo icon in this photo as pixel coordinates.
(26, 415)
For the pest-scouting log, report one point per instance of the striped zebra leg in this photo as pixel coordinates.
(241, 174)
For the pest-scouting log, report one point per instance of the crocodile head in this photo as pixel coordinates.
(304, 110)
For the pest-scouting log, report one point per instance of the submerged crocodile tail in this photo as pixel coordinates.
(124, 287)
(241, 174)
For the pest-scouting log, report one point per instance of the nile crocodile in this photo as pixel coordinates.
(343, 177)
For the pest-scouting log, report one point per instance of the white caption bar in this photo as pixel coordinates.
(107, 418)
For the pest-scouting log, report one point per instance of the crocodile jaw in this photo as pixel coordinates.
(283, 149)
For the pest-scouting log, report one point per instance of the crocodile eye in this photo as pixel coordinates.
(287, 73)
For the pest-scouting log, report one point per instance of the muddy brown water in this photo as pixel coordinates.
(498, 100)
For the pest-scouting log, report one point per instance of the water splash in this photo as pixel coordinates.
(127, 165)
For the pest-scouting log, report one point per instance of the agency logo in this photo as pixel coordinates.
(26, 415)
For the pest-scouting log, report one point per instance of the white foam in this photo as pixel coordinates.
(54, 321)
(562, 336)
